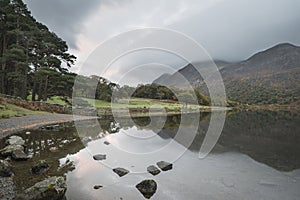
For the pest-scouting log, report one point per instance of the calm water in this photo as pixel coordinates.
(256, 157)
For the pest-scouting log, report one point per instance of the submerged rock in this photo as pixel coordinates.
(99, 157)
(147, 188)
(96, 187)
(67, 166)
(19, 155)
(53, 149)
(14, 148)
(164, 166)
(54, 127)
(8, 150)
(153, 170)
(53, 188)
(121, 171)
(106, 143)
(5, 169)
(15, 140)
(40, 167)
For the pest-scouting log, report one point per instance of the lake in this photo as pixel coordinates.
(256, 157)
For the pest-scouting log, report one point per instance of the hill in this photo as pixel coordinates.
(268, 77)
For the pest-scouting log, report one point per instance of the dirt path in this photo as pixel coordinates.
(15, 124)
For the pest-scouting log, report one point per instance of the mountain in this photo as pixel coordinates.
(271, 76)
(190, 74)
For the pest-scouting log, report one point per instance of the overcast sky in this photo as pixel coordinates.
(228, 29)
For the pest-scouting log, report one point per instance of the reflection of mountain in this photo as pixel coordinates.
(270, 76)
(267, 137)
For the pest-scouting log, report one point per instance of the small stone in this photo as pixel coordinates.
(121, 171)
(8, 150)
(164, 166)
(53, 149)
(96, 187)
(19, 155)
(55, 127)
(68, 166)
(147, 188)
(27, 133)
(106, 143)
(8, 159)
(86, 140)
(153, 170)
(40, 167)
(99, 157)
(5, 169)
(15, 140)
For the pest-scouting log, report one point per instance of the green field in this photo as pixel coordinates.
(135, 103)
(9, 110)
(137, 107)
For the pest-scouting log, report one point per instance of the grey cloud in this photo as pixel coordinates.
(236, 29)
(64, 17)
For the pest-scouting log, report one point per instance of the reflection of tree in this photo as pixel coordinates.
(38, 143)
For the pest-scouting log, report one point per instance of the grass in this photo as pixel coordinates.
(9, 110)
(57, 100)
(135, 103)
(140, 107)
(53, 100)
(136, 106)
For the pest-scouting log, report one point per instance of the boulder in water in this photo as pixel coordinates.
(40, 167)
(147, 188)
(153, 170)
(121, 171)
(165, 166)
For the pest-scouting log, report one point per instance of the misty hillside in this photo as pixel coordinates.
(268, 77)
(189, 73)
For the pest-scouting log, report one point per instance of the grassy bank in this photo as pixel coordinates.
(9, 110)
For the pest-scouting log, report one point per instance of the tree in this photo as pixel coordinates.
(25, 46)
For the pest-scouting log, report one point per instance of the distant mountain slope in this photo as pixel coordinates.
(189, 73)
(162, 78)
(268, 77)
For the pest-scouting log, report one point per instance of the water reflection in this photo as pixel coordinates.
(230, 172)
(268, 137)
(38, 145)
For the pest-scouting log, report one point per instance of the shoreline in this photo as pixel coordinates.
(13, 125)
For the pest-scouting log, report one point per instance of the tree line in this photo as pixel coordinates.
(31, 56)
